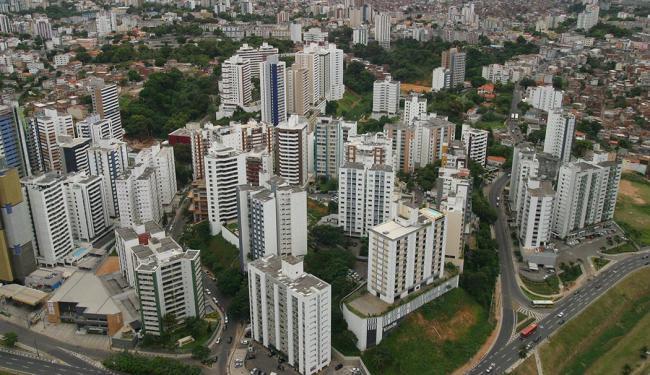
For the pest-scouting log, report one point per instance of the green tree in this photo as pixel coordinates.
(169, 322)
(10, 339)
(134, 76)
(200, 352)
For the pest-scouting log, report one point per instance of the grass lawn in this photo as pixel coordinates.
(490, 124)
(354, 106)
(528, 367)
(549, 286)
(599, 262)
(570, 272)
(624, 248)
(607, 335)
(437, 339)
(521, 316)
(633, 207)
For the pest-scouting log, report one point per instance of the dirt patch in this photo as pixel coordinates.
(628, 189)
(406, 87)
(110, 265)
(446, 330)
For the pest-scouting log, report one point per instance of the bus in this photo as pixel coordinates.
(542, 303)
(528, 330)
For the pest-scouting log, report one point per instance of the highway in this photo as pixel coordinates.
(505, 351)
(505, 356)
(28, 365)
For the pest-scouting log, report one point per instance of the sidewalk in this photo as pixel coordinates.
(237, 353)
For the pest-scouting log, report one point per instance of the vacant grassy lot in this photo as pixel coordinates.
(547, 287)
(624, 248)
(599, 262)
(607, 335)
(633, 207)
(315, 211)
(437, 339)
(528, 367)
(354, 106)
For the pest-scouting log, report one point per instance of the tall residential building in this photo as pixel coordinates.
(129, 238)
(299, 95)
(588, 18)
(385, 97)
(475, 142)
(291, 311)
(168, 280)
(415, 106)
(13, 142)
(454, 60)
(401, 138)
(108, 159)
(440, 79)
(537, 216)
(366, 179)
(545, 98)
(49, 124)
(105, 23)
(138, 199)
(295, 31)
(225, 169)
(272, 220)
(106, 102)
(74, 154)
(528, 164)
(329, 136)
(406, 252)
(86, 204)
(43, 28)
(95, 128)
(324, 65)
(273, 90)
(291, 152)
(314, 35)
(49, 212)
(382, 29)
(455, 209)
(256, 56)
(586, 195)
(360, 35)
(560, 131)
(235, 84)
(6, 25)
(17, 243)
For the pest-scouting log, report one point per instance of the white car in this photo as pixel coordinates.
(218, 340)
(561, 314)
(215, 300)
(244, 342)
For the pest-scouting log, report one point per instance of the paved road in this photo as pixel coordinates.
(40, 367)
(504, 356)
(222, 349)
(53, 347)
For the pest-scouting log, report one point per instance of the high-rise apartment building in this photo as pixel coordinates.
(291, 311)
(382, 29)
(43, 28)
(291, 150)
(256, 56)
(225, 169)
(588, 18)
(108, 159)
(299, 95)
(17, 242)
(272, 220)
(366, 179)
(406, 252)
(415, 106)
(106, 103)
(537, 214)
(273, 90)
(49, 124)
(385, 97)
(475, 142)
(235, 84)
(440, 79)
(454, 60)
(49, 212)
(74, 154)
(360, 35)
(95, 128)
(13, 143)
(86, 204)
(546, 98)
(329, 136)
(560, 131)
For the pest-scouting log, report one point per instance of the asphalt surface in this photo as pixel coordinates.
(36, 366)
(503, 357)
(222, 349)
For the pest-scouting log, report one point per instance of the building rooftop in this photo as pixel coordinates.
(86, 290)
(304, 284)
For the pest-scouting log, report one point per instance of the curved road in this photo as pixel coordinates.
(505, 351)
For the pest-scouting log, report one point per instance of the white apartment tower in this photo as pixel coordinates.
(272, 220)
(560, 131)
(225, 169)
(108, 159)
(588, 18)
(138, 199)
(291, 153)
(545, 98)
(291, 311)
(385, 97)
(49, 125)
(49, 211)
(366, 179)
(86, 204)
(382, 29)
(406, 253)
(475, 142)
(537, 216)
(360, 35)
(329, 136)
(235, 85)
(415, 106)
(441, 79)
(454, 60)
(106, 103)
(256, 56)
(95, 128)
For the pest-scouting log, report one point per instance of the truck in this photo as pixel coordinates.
(528, 330)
